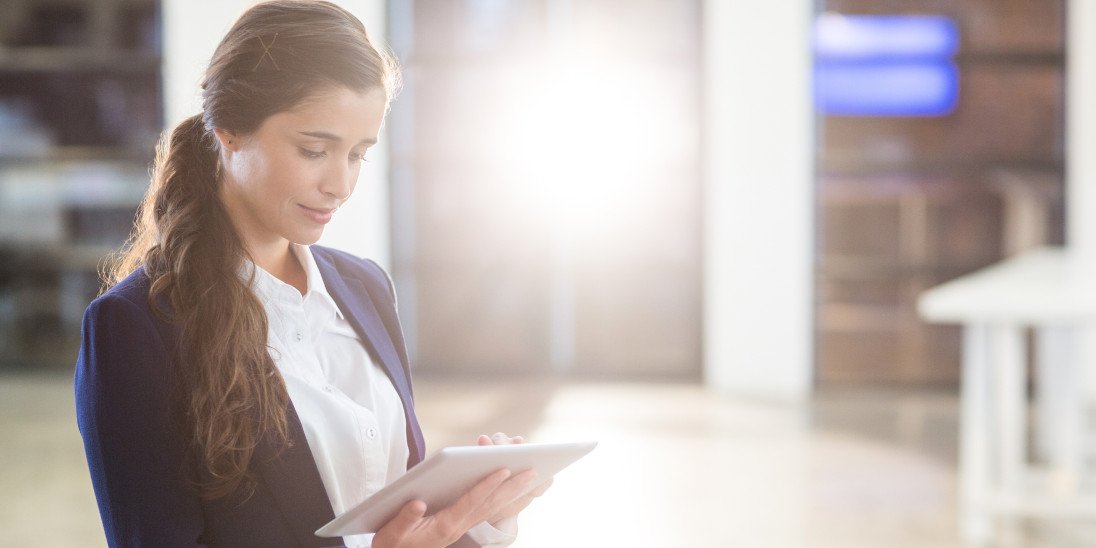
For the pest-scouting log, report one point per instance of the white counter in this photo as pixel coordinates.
(1050, 294)
(1045, 285)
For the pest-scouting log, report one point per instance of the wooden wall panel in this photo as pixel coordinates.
(908, 203)
(1008, 114)
(996, 26)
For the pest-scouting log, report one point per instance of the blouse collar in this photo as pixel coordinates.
(269, 288)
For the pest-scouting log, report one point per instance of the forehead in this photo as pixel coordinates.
(352, 115)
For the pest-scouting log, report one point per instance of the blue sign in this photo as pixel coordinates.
(885, 65)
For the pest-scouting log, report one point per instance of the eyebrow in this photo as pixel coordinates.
(332, 137)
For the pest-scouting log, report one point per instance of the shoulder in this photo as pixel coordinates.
(125, 308)
(133, 288)
(351, 266)
(123, 341)
(129, 294)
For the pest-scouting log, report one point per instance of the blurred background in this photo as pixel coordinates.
(696, 230)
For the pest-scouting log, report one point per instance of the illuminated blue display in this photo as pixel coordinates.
(886, 65)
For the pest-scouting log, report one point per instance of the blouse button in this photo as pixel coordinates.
(328, 388)
(300, 336)
(372, 433)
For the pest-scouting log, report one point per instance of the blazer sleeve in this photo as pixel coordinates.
(123, 409)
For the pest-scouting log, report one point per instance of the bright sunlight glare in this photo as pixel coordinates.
(581, 140)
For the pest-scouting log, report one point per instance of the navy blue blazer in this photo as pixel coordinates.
(135, 446)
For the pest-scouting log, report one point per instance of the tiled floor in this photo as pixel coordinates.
(677, 466)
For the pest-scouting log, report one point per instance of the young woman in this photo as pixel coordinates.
(238, 386)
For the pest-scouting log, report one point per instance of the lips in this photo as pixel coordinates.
(318, 215)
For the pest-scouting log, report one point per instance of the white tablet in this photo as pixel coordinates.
(446, 475)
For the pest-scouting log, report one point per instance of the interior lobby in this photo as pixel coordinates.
(813, 273)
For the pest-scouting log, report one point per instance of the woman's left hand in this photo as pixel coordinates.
(518, 504)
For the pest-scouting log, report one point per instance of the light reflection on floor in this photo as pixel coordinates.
(680, 466)
(676, 465)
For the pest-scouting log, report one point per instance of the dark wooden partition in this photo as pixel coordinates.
(905, 203)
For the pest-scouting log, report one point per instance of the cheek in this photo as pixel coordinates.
(284, 177)
(252, 171)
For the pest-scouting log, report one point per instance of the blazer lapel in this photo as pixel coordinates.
(295, 485)
(354, 299)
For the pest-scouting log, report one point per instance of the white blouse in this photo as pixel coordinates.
(351, 413)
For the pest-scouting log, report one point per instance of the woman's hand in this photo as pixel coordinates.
(518, 504)
(411, 528)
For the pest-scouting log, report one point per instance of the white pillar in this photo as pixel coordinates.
(1081, 128)
(191, 31)
(759, 197)
(1081, 154)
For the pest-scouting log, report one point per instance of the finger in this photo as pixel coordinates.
(542, 488)
(517, 439)
(484, 439)
(519, 504)
(398, 527)
(512, 509)
(510, 490)
(410, 513)
(492, 508)
(468, 508)
(500, 438)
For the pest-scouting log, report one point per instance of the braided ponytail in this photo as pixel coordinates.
(227, 390)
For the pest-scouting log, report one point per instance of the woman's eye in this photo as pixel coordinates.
(356, 157)
(312, 154)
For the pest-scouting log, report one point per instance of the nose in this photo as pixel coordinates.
(340, 182)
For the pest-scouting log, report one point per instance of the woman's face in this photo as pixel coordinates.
(283, 182)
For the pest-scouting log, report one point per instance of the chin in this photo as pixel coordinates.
(306, 238)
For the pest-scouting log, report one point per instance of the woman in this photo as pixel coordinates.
(238, 386)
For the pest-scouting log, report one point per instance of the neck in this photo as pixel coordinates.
(271, 253)
(282, 263)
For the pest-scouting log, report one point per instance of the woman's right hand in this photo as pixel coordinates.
(411, 528)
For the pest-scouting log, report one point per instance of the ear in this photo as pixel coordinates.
(228, 139)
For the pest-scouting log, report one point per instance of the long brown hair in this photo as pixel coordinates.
(229, 393)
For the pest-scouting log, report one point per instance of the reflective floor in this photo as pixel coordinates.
(677, 466)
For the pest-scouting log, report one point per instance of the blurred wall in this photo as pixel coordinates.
(79, 112)
(545, 181)
(758, 168)
(908, 201)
